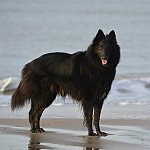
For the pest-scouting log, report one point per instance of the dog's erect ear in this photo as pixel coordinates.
(112, 37)
(99, 36)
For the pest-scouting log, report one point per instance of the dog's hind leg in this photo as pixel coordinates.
(31, 118)
(35, 114)
(34, 119)
(37, 120)
(32, 113)
(47, 101)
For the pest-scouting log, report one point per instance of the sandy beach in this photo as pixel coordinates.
(65, 133)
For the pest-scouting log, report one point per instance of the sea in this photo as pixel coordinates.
(29, 29)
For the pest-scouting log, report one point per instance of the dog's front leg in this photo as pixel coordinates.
(97, 113)
(88, 117)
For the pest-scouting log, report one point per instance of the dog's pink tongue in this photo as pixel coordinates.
(104, 62)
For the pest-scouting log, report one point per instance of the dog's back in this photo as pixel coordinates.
(46, 72)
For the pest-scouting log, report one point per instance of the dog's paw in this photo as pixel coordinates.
(99, 134)
(40, 130)
(92, 134)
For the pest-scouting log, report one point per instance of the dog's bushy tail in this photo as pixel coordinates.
(18, 99)
(24, 91)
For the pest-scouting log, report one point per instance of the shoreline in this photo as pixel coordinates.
(71, 134)
(75, 124)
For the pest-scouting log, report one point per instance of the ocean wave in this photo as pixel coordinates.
(129, 90)
(135, 85)
(8, 84)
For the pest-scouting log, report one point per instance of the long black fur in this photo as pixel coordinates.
(81, 75)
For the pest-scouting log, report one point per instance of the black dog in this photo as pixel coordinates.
(85, 76)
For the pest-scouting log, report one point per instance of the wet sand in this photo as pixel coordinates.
(69, 134)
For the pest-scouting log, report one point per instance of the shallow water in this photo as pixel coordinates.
(19, 138)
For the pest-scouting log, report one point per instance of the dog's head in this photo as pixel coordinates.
(106, 48)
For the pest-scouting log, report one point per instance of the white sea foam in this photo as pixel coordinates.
(8, 84)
